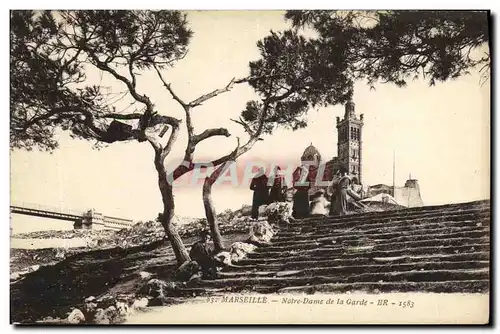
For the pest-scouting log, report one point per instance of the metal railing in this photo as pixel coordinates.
(25, 206)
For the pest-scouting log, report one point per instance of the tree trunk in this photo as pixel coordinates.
(209, 205)
(167, 195)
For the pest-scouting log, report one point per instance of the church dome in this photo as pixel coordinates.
(311, 153)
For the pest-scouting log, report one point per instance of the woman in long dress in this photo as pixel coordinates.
(277, 189)
(338, 190)
(260, 193)
(301, 184)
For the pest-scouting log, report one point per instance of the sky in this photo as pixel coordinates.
(440, 134)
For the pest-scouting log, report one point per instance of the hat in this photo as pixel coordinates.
(318, 193)
(204, 234)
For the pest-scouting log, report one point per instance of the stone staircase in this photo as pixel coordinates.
(428, 249)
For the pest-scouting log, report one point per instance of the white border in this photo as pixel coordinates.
(199, 4)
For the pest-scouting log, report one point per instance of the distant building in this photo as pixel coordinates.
(408, 196)
(349, 157)
(349, 146)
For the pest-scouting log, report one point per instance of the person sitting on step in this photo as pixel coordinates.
(203, 255)
(319, 204)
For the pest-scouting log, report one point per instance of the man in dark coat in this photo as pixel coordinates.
(203, 255)
(260, 192)
(277, 189)
(301, 184)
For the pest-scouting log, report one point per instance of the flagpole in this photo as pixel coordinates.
(394, 173)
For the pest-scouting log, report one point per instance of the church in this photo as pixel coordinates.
(349, 157)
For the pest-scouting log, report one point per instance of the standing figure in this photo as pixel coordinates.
(203, 255)
(260, 192)
(301, 184)
(277, 189)
(339, 197)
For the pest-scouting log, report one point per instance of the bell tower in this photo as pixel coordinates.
(349, 142)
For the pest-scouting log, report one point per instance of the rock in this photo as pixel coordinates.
(105, 301)
(279, 212)
(145, 274)
(60, 253)
(154, 288)
(224, 257)
(101, 318)
(262, 209)
(122, 308)
(239, 250)
(90, 299)
(187, 270)
(140, 303)
(15, 276)
(75, 317)
(261, 232)
(158, 291)
(112, 314)
(89, 308)
(33, 268)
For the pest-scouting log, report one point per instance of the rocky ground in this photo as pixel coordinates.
(117, 273)
(120, 272)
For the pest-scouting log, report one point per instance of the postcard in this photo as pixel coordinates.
(250, 167)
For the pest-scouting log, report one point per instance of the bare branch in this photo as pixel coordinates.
(130, 85)
(245, 125)
(231, 156)
(216, 92)
(209, 133)
(171, 140)
(169, 88)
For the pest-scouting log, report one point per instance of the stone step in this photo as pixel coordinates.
(340, 250)
(395, 236)
(318, 270)
(482, 218)
(359, 261)
(412, 276)
(329, 254)
(464, 286)
(410, 228)
(422, 241)
(377, 217)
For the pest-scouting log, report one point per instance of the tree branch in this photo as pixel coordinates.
(228, 157)
(216, 92)
(154, 142)
(171, 140)
(131, 71)
(244, 125)
(131, 86)
(162, 119)
(169, 88)
(122, 116)
(209, 133)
